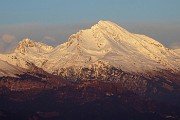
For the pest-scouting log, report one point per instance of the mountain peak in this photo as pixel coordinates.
(111, 29)
(99, 36)
(29, 45)
(103, 22)
(24, 44)
(27, 42)
(108, 25)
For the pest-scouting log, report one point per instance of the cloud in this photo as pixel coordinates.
(8, 43)
(49, 38)
(7, 38)
(175, 45)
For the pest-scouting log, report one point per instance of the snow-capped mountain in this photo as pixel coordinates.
(115, 46)
(103, 45)
(105, 66)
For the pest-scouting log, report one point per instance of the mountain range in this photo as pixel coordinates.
(106, 42)
(92, 53)
(105, 53)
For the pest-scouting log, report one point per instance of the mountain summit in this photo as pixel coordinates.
(28, 45)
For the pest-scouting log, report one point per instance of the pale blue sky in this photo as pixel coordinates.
(53, 21)
(68, 11)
